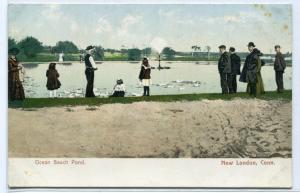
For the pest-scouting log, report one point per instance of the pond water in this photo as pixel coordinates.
(182, 78)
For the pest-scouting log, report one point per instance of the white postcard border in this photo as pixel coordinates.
(296, 70)
(122, 172)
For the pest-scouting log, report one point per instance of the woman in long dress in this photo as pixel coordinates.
(15, 87)
(145, 76)
(52, 80)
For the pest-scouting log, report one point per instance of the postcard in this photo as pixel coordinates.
(150, 95)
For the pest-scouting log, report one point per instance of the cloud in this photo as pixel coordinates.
(185, 21)
(15, 31)
(103, 25)
(74, 26)
(130, 20)
(52, 12)
(231, 18)
(127, 22)
(168, 14)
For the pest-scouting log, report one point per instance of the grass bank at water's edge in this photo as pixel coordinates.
(47, 102)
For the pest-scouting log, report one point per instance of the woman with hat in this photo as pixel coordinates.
(145, 77)
(15, 87)
(251, 71)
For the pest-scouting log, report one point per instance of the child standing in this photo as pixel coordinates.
(145, 77)
(119, 89)
(52, 80)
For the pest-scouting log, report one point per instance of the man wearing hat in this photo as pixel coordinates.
(251, 71)
(15, 87)
(90, 67)
(235, 67)
(224, 67)
(279, 67)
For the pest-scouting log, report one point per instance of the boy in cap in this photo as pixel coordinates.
(224, 67)
(90, 67)
(279, 67)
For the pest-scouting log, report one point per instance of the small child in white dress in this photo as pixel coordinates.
(119, 89)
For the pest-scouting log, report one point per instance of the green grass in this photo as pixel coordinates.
(45, 57)
(46, 102)
(116, 58)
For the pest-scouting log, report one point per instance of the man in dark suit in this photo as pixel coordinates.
(90, 67)
(224, 67)
(235, 67)
(279, 67)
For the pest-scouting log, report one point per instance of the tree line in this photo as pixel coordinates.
(30, 47)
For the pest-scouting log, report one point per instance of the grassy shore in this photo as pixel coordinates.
(47, 102)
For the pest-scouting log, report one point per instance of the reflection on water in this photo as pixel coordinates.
(30, 65)
(182, 78)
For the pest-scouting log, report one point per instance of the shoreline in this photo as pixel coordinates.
(57, 102)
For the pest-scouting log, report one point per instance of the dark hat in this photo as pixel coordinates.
(222, 47)
(90, 47)
(14, 51)
(251, 44)
(120, 81)
(277, 46)
(232, 49)
(52, 65)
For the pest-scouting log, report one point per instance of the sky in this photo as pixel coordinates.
(180, 26)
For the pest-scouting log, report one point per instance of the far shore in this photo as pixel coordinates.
(269, 63)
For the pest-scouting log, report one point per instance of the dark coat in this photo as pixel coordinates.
(15, 87)
(251, 67)
(279, 64)
(235, 64)
(145, 72)
(52, 79)
(224, 64)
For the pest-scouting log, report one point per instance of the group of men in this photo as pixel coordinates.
(229, 67)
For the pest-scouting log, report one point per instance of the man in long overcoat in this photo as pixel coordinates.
(251, 71)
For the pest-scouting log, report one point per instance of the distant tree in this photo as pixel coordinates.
(30, 46)
(12, 43)
(47, 48)
(146, 51)
(208, 52)
(124, 51)
(99, 53)
(111, 50)
(66, 47)
(134, 54)
(195, 48)
(169, 53)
